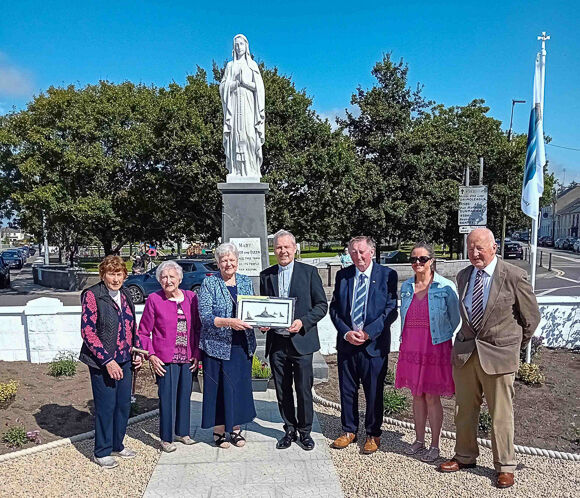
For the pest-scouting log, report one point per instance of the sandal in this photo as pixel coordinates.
(220, 440)
(415, 448)
(430, 455)
(237, 438)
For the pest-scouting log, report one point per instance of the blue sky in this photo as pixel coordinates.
(458, 50)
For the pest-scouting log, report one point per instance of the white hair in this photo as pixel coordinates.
(283, 233)
(168, 265)
(225, 249)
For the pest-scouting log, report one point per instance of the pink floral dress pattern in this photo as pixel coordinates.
(180, 354)
(89, 334)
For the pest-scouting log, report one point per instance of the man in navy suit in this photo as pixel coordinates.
(363, 307)
(291, 350)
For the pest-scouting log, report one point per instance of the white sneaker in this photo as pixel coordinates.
(168, 447)
(107, 462)
(125, 453)
(184, 439)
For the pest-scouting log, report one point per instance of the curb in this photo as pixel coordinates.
(69, 440)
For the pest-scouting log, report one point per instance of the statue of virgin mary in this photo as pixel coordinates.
(242, 95)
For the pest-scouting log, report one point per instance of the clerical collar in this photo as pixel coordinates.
(288, 267)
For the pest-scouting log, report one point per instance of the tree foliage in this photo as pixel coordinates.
(126, 162)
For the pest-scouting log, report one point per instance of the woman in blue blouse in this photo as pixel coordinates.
(228, 345)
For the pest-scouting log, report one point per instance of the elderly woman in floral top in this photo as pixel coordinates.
(169, 331)
(109, 333)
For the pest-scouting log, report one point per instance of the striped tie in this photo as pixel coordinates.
(477, 301)
(358, 313)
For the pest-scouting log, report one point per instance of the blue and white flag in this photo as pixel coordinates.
(533, 186)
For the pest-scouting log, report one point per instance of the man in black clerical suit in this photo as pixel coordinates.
(291, 350)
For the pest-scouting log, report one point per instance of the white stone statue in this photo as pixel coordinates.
(242, 94)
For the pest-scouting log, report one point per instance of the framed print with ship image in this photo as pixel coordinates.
(262, 311)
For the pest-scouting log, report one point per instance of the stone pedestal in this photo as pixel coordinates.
(244, 216)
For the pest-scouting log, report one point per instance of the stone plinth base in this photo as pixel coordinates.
(244, 215)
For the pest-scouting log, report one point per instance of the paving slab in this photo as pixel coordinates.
(258, 469)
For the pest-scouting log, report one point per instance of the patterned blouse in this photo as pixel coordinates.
(180, 354)
(122, 352)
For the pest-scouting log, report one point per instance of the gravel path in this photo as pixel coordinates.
(68, 470)
(389, 472)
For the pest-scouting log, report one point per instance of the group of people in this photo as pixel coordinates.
(492, 313)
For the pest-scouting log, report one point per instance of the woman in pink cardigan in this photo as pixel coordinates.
(169, 330)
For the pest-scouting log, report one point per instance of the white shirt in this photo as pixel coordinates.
(487, 276)
(116, 296)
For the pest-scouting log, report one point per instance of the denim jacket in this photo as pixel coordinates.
(443, 307)
(215, 301)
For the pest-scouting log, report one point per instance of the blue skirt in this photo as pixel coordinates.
(227, 387)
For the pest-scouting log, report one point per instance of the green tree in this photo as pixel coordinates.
(444, 142)
(380, 133)
(77, 151)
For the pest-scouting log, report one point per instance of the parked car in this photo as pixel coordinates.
(194, 271)
(4, 274)
(513, 250)
(548, 241)
(12, 258)
(576, 247)
(568, 243)
(558, 243)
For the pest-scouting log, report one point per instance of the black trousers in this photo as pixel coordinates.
(289, 367)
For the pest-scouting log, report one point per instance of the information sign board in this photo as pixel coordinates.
(472, 206)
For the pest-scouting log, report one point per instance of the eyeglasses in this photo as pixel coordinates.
(420, 259)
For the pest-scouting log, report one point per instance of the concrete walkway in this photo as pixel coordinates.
(257, 470)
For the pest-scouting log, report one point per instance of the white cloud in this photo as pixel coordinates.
(14, 82)
(332, 114)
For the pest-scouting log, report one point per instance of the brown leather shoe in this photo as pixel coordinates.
(453, 466)
(344, 440)
(505, 479)
(371, 445)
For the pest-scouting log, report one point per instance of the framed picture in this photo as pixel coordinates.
(262, 311)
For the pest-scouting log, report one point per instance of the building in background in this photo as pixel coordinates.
(566, 221)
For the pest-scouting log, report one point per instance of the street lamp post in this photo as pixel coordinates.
(514, 102)
(504, 217)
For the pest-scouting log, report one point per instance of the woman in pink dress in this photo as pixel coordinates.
(429, 318)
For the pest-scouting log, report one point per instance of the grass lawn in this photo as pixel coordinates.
(94, 267)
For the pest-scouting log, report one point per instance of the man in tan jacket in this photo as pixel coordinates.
(499, 315)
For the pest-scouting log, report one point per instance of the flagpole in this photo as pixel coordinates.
(534, 237)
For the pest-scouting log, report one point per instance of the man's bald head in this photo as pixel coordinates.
(482, 233)
(481, 247)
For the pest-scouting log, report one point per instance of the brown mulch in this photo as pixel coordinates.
(546, 416)
(58, 407)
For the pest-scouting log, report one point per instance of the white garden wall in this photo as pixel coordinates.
(38, 331)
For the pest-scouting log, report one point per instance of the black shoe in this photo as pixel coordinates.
(286, 441)
(306, 441)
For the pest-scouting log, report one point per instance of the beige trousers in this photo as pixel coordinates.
(470, 383)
